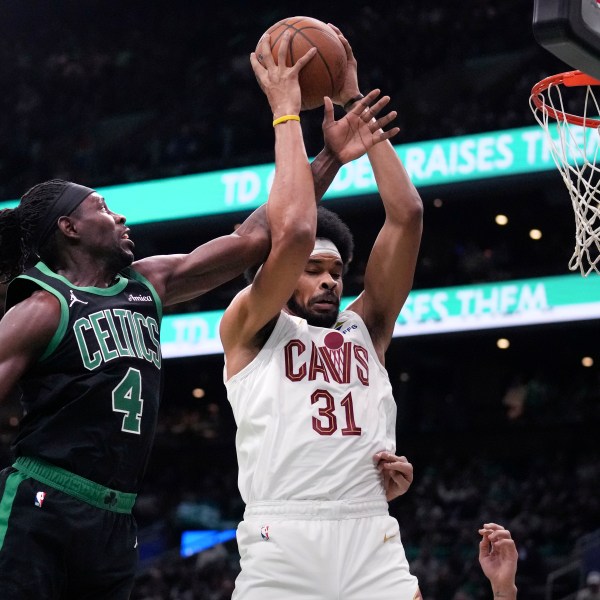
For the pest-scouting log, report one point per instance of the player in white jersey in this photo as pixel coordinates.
(309, 390)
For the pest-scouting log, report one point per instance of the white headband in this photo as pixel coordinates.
(325, 246)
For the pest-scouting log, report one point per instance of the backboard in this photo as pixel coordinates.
(570, 29)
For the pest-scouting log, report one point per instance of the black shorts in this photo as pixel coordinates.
(57, 546)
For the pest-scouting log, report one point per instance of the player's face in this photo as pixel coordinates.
(317, 296)
(103, 233)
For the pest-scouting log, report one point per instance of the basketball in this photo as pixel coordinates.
(324, 74)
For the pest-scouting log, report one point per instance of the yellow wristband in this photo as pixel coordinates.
(285, 118)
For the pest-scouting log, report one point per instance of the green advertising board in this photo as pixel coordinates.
(432, 311)
(436, 162)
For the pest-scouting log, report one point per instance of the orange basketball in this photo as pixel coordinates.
(325, 73)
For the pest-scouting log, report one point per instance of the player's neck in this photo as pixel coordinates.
(324, 321)
(87, 273)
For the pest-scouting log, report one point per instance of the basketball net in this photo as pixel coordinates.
(574, 144)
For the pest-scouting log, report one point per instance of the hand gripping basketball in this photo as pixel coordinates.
(325, 74)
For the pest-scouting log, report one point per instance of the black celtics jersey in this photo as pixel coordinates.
(91, 401)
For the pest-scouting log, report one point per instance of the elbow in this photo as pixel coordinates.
(415, 208)
(298, 237)
(408, 210)
(302, 235)
(257, 245)
(250, 249)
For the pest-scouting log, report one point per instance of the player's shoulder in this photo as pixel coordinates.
(35, 317)
(348, 317)
(38, 300)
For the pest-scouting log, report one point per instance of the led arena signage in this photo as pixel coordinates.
(443, 310)
(437, 162)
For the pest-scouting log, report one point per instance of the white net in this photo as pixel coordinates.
(575, 148)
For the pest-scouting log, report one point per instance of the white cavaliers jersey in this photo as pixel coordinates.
(312, 409)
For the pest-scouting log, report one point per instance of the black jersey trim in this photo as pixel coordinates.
(113, 290)
(64, 316)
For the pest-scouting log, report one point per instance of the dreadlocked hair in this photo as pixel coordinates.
(18, 249)
(331, 227)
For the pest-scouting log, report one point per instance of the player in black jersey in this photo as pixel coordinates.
(81, 339)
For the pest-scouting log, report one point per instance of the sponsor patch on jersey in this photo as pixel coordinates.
(338, 326)
(39, 499)
(139, 298)
(264, 533)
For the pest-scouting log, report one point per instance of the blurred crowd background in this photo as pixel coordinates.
(110, 92)
(117, 92)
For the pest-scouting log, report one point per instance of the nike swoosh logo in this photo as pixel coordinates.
(387, 537)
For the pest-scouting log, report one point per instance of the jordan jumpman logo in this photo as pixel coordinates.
(74, 299)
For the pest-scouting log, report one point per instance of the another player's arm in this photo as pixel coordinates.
(25, 332)
(181, 277)
(391, 265)
(397, 474)
(498, 558)
(178, 278)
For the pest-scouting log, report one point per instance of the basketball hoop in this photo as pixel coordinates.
(574, 143)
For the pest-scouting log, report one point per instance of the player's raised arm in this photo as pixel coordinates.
(291, 212)
(391, 265)
(350, 137)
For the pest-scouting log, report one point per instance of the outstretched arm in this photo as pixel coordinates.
(391, 265)
(181, 277)
(498, 558)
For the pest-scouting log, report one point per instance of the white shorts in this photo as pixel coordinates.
(331, 550)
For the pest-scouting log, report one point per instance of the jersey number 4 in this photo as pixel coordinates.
(327, 425)
(127, 399)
